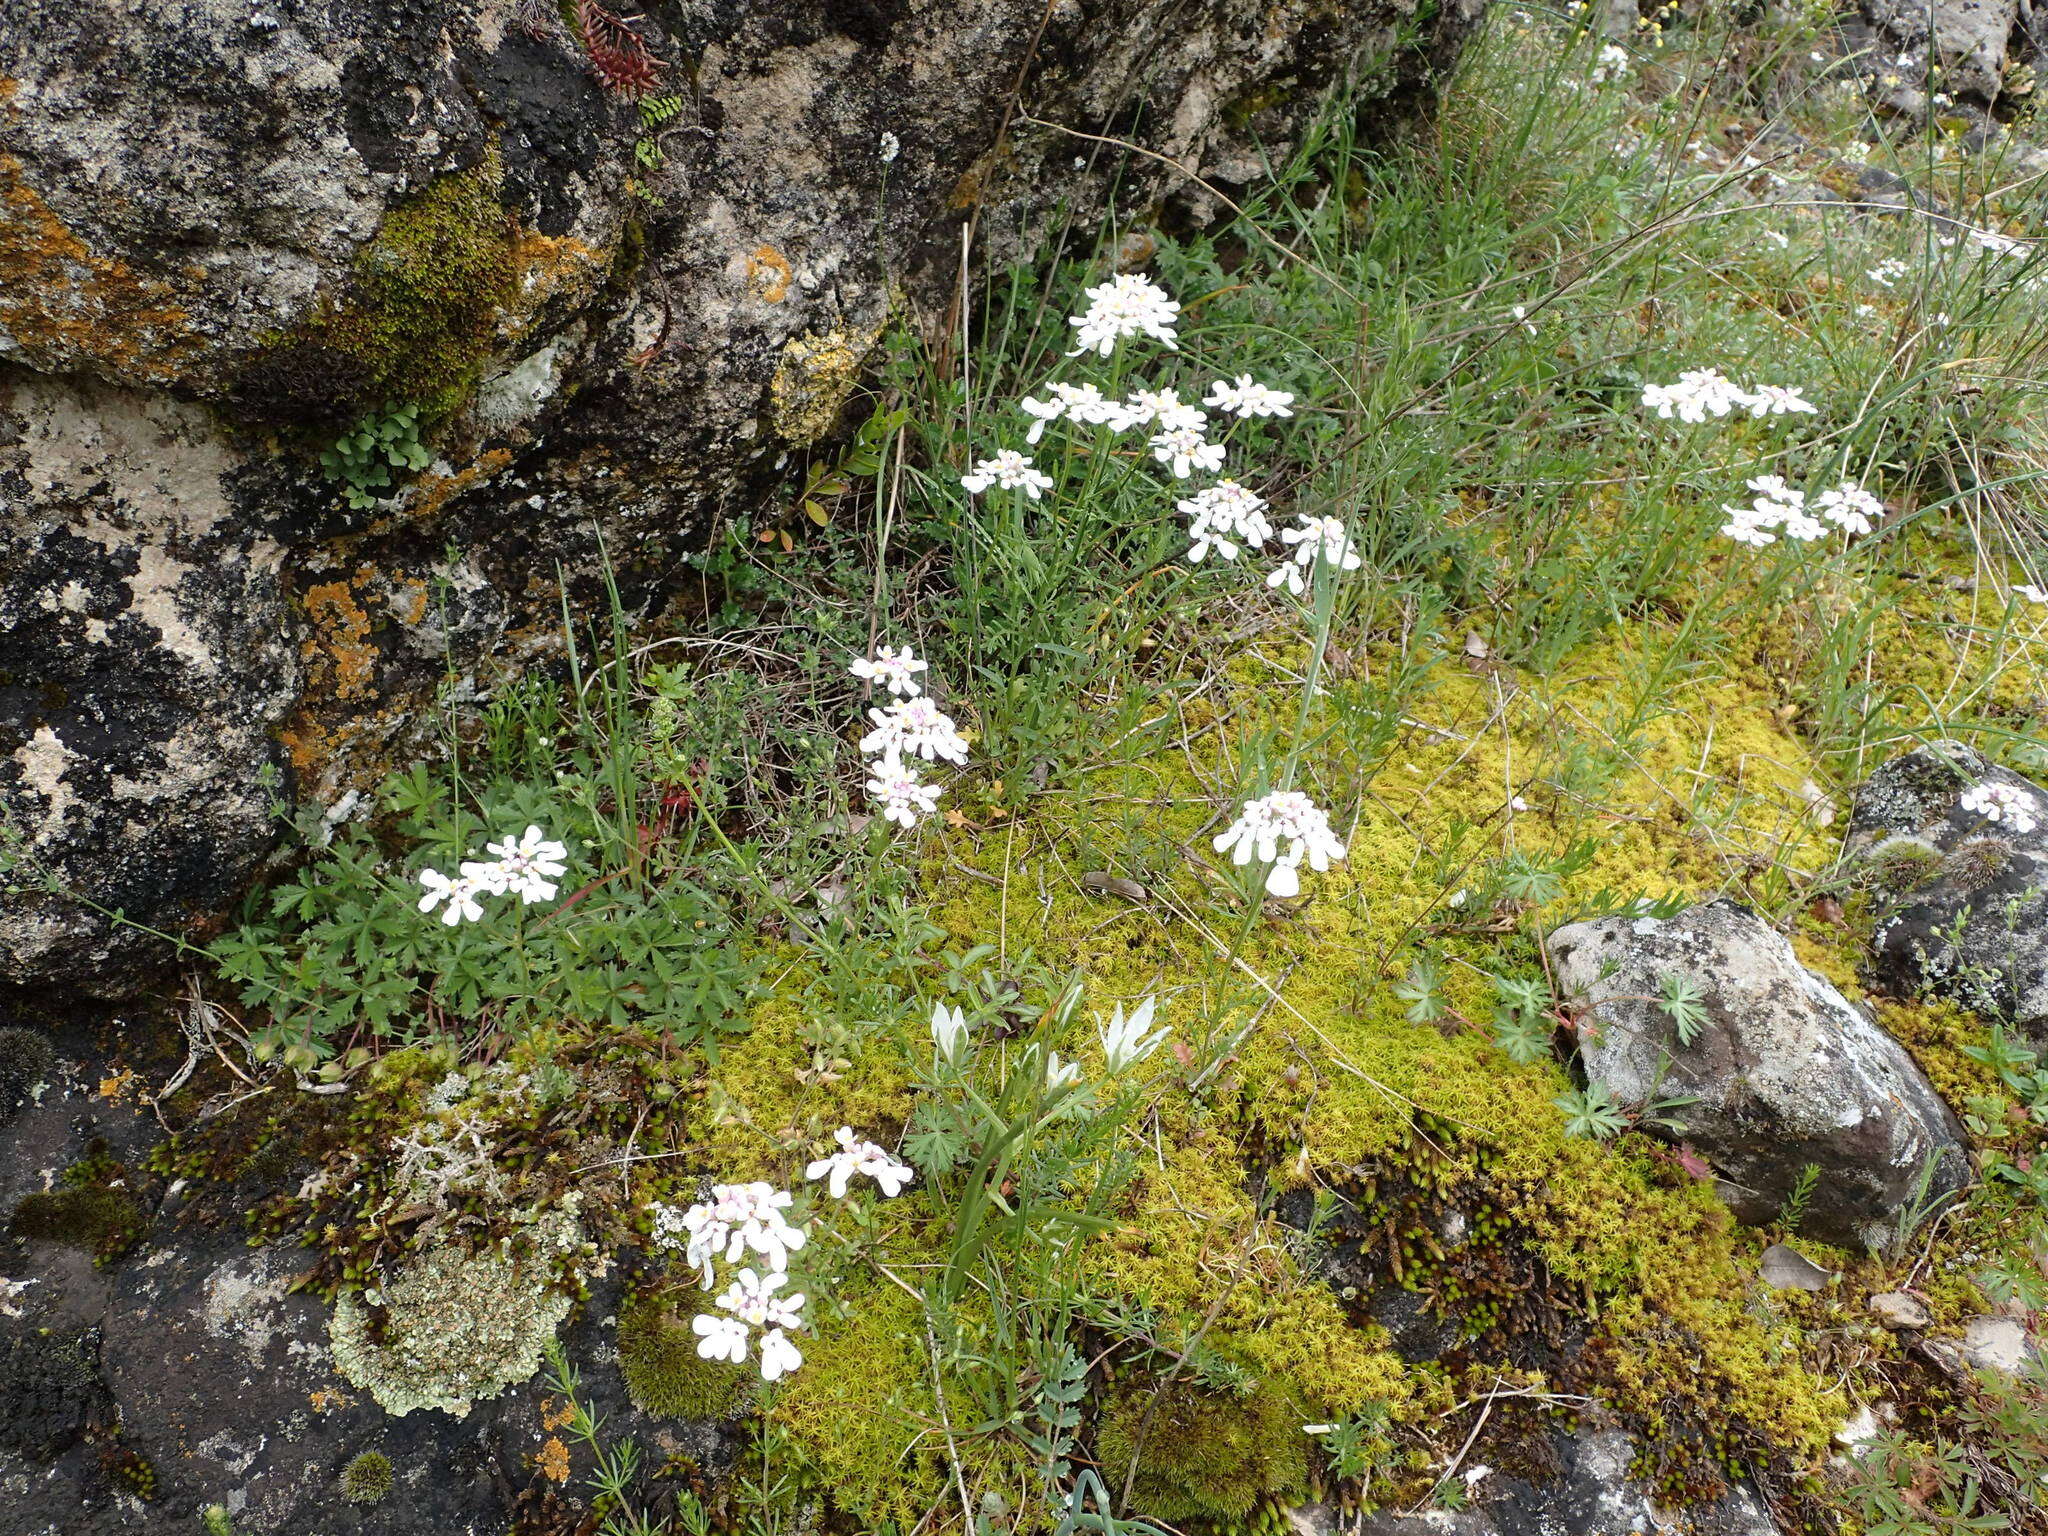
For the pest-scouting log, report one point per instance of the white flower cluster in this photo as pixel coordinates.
(1126, 305)
(1317, 537)
(857, 1156)
(1286, 817)
(2011, 808)
(1703, 392)
(743, 1219)
(911, 725)
(1612, 63)
(526, 867)
(1781, 508)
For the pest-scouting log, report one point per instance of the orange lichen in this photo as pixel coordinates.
(342, 662)
(768, 271)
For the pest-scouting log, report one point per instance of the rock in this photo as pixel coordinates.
(1593, 1495)
(1787, 1269)
(1968, 37)
(1785, 1072)
(227, 236)
(1962, 901)
(1896, 1309)
(1998, 1345)
(1864, 1426)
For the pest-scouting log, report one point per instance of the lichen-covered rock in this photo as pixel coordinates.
(1967, 37)
(230, 234)
(1961, 900)
(1784, 1071)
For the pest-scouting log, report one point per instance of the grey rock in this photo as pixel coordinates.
(1896, 1309)
(1962, 901)
(226, 233)
(1785, 1071)
(1997, 1344)
(1592, 1495)
(1968, 37)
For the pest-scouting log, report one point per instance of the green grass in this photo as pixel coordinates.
(1550, 689)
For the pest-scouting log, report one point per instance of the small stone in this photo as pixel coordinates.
(1997, 1344)
(1787, 1269)
(1895, 1309)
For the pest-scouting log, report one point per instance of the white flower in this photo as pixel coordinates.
(949, 1031)
(1011, 471)
(1997, 244)
(1776, 400)
(1246, 398)
(460, 894)
(1223, 516)
(1285, 817)
(1781, 241)
(1125, 1042)
(1698, 394)
(1849, 507)
(1612, 64)
(530, 866)
(752, 1300)
(895, 668)
(1145, 407)
(917, 728)
(2001, 803)
(1060, 1074)
(1185, 450)
(1887, 272)
(904, 797)
(2032, 593)
(736, 1218)
(1317, 537)
(891, 148)
(1126, 305)
(857, 1156)
(1086, 403)
(1778, 506)
(1042, 413)
(720, 1338)
(778, 1355)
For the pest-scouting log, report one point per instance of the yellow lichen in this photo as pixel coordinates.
(813, 379)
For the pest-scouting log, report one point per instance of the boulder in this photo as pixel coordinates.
(619, 283)
(1961, 900)
(1968, 39)
(1784, 1071)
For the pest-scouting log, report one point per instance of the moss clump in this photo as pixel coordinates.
(366, 1479)
(1200, 1456)
(665, 1376)
(415, 320)
(25, 1060)
(455, 1326)
(94, 1209)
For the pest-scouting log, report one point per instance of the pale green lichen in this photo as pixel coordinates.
(456, 1326)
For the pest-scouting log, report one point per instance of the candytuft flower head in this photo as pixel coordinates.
(527, 868)
(1009, 470)
(904, 797)
(1776, 400)
(916, 728)
(857, 1156)
(1185, 450)
(460, 893)
(2011, 808)
(1247, 398)
(1125, 1042)
(2031, 592)
(894, 668)
(1698, 394)
(1318, 538)
(736, 1218)
(949, 1032)
(1222, 516)
(1849, 507)
(1777, 505)
(1281, 829)
(1163, 407)
(779, 1356)
(1126, 305)
(720, 1338)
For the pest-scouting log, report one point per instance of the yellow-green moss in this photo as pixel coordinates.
(414, 320)
(1936, 1033)
(1200, 1455)
(665, 1376)
(367, 1478)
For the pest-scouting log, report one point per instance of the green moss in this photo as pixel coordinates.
(367, 1478)
(1200, 1456)
(415, 319)
(665, 1376)
(94, 1209)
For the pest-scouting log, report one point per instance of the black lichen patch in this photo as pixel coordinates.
(50, 1392)
(25, 1060)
